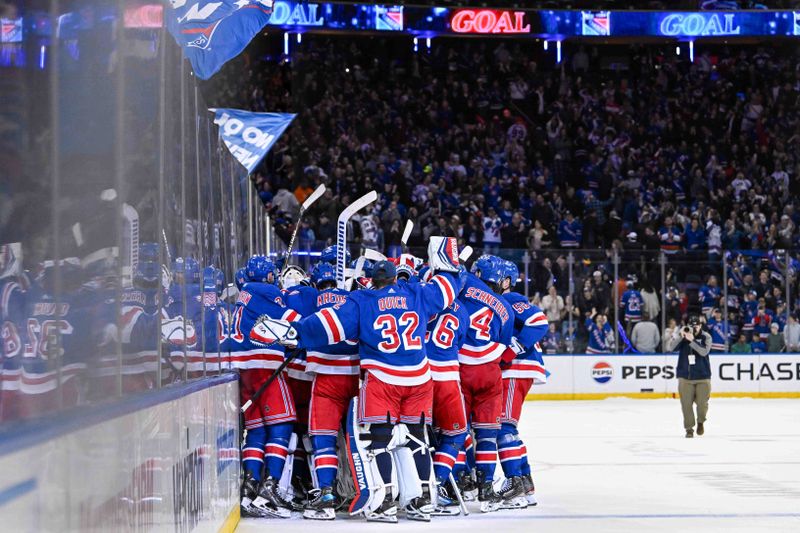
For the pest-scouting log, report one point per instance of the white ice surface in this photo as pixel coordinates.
(624, 465)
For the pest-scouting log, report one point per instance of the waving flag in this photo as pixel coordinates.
(214, 32)
(249, 136)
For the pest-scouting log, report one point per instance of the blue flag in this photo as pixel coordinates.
(214, 32)
(249, 136)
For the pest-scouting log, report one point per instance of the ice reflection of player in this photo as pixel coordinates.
(58, 339)
(184, 301)
(138, 323)
(208, 314)
(12, 315)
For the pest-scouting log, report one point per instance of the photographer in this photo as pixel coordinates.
(694, 372)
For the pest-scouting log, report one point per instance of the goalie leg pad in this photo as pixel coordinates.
(288, 469)
(414, 464)
(509, 449)
(366, 448)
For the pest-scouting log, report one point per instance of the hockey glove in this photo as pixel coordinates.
(267, 331)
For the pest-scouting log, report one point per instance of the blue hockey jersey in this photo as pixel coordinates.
(491, 323)
(570, 234)
(530, 326)
(708, 298)
(632, 303)
(601, 340)
(340, 358)
(719, 334)
(255, 300)
(389, 324)
(57, 333)
(446, 333)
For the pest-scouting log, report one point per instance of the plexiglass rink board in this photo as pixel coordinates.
(170, 467)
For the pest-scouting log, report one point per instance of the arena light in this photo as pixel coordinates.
(428, 43)
(299, 38)
(691, 51)
(416, 44)
(545, 44)
(286, 44)
(678, 50)
(558, 51)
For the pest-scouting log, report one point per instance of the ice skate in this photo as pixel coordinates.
(322, 505)
(467, 486)
(446, 501)
(387, 512)
(421, 508)
(490, 500)
(513, 494)
(269, 503)
(530, 490)
(249, 492)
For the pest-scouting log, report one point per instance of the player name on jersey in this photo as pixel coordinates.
(488, 299)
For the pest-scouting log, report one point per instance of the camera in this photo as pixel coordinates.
(686, 330)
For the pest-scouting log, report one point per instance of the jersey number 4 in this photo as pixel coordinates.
(481, 321)
(388, 326)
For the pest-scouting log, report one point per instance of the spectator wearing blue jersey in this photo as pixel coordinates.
(601, 336)
(631, 304)
(552, 342)
(694, 238)
(570, 231)
(718, 327)
(709, 295)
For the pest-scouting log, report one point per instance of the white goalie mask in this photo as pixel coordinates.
(292, 276)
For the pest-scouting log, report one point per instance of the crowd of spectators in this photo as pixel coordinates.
(576, 163)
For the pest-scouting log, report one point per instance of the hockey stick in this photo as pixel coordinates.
(270, 379)
(460, 498)
(356, 272)
(313, 197)
(374, 255)
(341, 232)
(406, 234)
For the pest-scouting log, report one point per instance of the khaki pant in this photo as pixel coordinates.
(694, 391)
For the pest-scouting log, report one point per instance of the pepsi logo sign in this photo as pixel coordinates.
(602, 372)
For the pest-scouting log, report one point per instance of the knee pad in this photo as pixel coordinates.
(456, 441)
(507, 433)
(484, 434)
(417, 438)
(256, 436)
(380, 436)
(281, 434)
(324, 444)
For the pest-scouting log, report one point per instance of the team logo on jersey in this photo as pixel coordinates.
(602, 372)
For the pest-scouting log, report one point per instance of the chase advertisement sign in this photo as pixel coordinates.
(654, 375)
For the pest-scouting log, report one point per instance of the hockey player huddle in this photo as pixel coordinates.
(405, 392)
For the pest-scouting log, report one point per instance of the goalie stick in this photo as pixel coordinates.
(406, 234)
(313, 197)
(341, 232)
